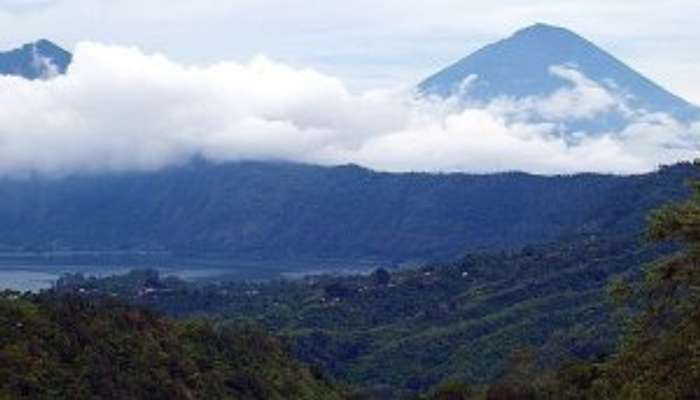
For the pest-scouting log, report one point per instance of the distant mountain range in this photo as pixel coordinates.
(267, 211)
(41, 59)
(522, 65)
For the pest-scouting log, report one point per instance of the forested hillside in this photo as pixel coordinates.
(72, 348)
(578, 319)
(413, 329)
(287, 211)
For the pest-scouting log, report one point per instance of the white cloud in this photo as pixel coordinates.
(579, 99)
(584, 99)
(119, 109)
(43, 65)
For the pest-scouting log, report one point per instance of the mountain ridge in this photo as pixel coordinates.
(268, 211)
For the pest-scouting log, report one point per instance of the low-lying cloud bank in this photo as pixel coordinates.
(118, 109)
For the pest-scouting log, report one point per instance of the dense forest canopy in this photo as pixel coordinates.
(66, 347)
(412, 329)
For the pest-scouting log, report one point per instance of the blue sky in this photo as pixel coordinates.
(366, 43)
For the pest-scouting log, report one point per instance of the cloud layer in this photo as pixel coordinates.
(118, 109)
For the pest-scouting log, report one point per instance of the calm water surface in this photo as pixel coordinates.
(34, 279)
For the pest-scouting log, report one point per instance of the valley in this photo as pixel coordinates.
(456, 319)
(523, 224)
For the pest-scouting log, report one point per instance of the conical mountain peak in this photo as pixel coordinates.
(521, 66)
(542, 29)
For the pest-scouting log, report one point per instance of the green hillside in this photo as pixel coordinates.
(72, 348)
(413, 329)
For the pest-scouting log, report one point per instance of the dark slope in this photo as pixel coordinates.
(41, 59)
(288, 211)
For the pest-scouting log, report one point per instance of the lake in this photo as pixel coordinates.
(36, 278)
(34, 275)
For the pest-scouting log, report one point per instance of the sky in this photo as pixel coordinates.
(154, 84)
(369, 43)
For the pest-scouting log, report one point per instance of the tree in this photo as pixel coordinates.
(381, 277)
(659, 357)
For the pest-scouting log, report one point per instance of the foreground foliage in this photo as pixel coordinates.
(73, 348)
(659, 355)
